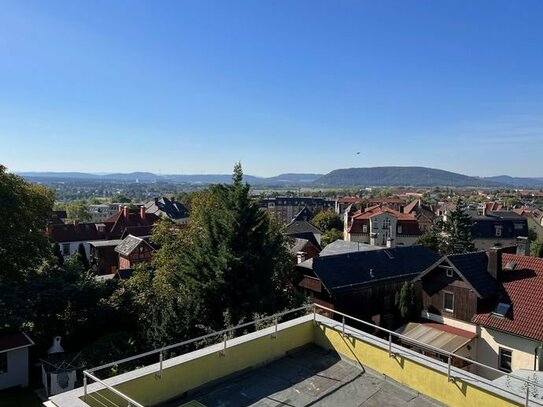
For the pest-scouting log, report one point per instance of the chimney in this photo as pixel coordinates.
(494, 261)
(125, 211)
(56, 348)
(523, 246)
(390, 243)
(300, 256)
(142, 212)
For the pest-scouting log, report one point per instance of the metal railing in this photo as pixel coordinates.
(449, 355)
(88, 374)
(345, 331)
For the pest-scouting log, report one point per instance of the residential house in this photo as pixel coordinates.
(363, 283)
(498, 229)
(126, 221)
(102, 212)
(133, 250)
(381, 226)
(423, 213)
(303, 249)
(495, 294)
(285, 208)
(103, 257)
(168, 208)
(300, 227)
(14, 360)
(341, 204)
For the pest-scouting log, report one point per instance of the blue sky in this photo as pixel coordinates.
(282, 86)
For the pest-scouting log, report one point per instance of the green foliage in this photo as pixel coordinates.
(82, 257)
(532, 235)
(457, 231)
(331, 236)
(325, 221)
(537, 248)
(433, 237)
(78, 210)
(406, 302)
(23, 242)
(58, 254)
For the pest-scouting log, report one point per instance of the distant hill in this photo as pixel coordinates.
(400, 176)
(283, 179)
(519, 182)
(349, 177)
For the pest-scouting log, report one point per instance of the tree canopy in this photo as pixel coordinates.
(26, 209)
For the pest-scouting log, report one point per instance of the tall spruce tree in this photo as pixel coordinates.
(457, 230)
(238, 263)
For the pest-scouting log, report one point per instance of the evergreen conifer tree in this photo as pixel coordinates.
(238, 263)
(457, 229)
(58, 254)
(82, 257)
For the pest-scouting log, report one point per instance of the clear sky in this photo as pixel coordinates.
(284, 86)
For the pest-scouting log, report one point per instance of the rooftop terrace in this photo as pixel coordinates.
(310, 360)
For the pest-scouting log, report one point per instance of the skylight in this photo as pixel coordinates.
(501, 309)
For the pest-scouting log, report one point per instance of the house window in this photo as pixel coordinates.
(65, 249)
(448, 301)
(400, 230)
(519, 226)
(3, 362)
(386, 223)
(506, 356)
(364, 228)
(498, 230)
(376, 225)
(449, 273)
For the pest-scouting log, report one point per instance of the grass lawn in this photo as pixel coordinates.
(19, 398)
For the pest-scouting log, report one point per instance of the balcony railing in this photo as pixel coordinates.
(387, 340)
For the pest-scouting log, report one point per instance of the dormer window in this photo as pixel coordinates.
(501, 309)
(449, 273)
(498, 230)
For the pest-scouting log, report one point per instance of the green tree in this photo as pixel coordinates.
(537, 248)
(457, 231)
(532, 235)
(82, 257)
(433, 237)
(58, 254)
(406, 302)
(326, 221)
(26, 208)
(238, 262)
(331, 236)
(78, 210)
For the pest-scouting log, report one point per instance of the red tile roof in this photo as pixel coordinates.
(14, 341)
(524, 287)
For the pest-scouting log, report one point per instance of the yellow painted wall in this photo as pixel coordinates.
(432, 383)
(189, 375)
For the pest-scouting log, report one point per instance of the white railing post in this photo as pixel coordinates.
(343, 326)
(223, 351)
(390, 345)
(160, 362)
(314, 314)
(449, 378)
(527, 393)
(85, 386)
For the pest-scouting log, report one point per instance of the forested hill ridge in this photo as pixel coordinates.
(400, 176)
(348, 177)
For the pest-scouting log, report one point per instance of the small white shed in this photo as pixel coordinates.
(14, 360)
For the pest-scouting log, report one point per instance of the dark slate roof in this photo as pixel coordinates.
(304, 215)
(474, 268)
(301, 226)
(307, 236)
(14, 341)
(344, 246)
(344, 272)
(484, 226)
(298, 245)
(129, 244)
(166, 207)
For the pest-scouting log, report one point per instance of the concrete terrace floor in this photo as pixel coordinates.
(309, 377)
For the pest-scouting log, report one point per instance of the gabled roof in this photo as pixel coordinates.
(78, 232)
(307, 236)
(344, 272)
(304, 215)
(301, 226)
(129, 244)
(14, 341)
(523, 289)
(345, 246)
(473, 269)
(165, 207)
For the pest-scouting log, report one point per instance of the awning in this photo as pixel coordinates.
(439, 336)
